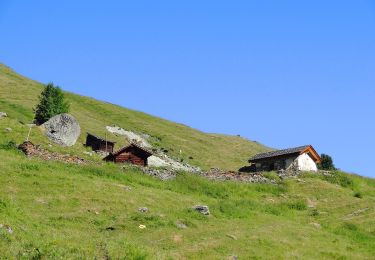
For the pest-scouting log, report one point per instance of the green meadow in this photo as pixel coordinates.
(55, 210)
(64, 211)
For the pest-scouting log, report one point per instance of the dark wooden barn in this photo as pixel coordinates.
(99, 144)
(132, 153)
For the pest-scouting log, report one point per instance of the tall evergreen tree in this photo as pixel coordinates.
(51, 103)
(327, 163)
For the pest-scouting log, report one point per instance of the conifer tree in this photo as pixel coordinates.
(327, 163)
(51, 103)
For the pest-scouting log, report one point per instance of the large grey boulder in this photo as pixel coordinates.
(62, 129)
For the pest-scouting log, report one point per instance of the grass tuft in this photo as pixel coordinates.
(297, 205)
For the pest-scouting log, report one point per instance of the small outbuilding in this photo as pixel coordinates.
(99, 144)
(132, 153)
(303, 158)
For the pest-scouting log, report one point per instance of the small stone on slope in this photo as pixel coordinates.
(202, 209)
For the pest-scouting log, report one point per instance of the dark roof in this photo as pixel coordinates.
(148, 153)
(101, 139)
(289, 151)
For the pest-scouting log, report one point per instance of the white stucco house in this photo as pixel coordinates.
(303, 158)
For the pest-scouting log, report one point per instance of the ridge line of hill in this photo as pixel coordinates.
(18, 96)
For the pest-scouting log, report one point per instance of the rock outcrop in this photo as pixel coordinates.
(62, 129)
(140, 140)
(161, 160)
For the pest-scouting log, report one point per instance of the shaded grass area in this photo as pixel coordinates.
(60, 210)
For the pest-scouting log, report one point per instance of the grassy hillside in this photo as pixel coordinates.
(61, 211)
(52, 210)
(18, 95)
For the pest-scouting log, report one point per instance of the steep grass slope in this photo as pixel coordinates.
(61, 211)
(18, 95)
(52, 210)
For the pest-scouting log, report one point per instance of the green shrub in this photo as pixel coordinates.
(358, 194)
(350, 226)
(340, 178)
(29, 167)
(272, 176)
(315, 213)
(10, 145)
(297, 205)
(51, 103)
(273, 210)
(3, 204)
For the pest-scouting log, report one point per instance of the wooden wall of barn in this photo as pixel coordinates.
(99, 145)
(131, 158)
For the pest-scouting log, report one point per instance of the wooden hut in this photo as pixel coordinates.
(132, 153)
(99, 144)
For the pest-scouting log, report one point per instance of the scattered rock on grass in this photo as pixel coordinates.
(316, 225)
(284, 196)
(143, 210)
(356, 213)
(110, 228)
(181, 225)
(127, 188)
(142, 226)
(202, 209)
(8, 129)
(41, 201)
(88, 153)
(93, 211)
(311, 203)
(177, 238)
(232, 237)
(3, 114)
(7, 228)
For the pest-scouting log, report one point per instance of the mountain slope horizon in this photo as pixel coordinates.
(19, 95)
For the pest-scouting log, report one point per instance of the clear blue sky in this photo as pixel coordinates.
(284, 73)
